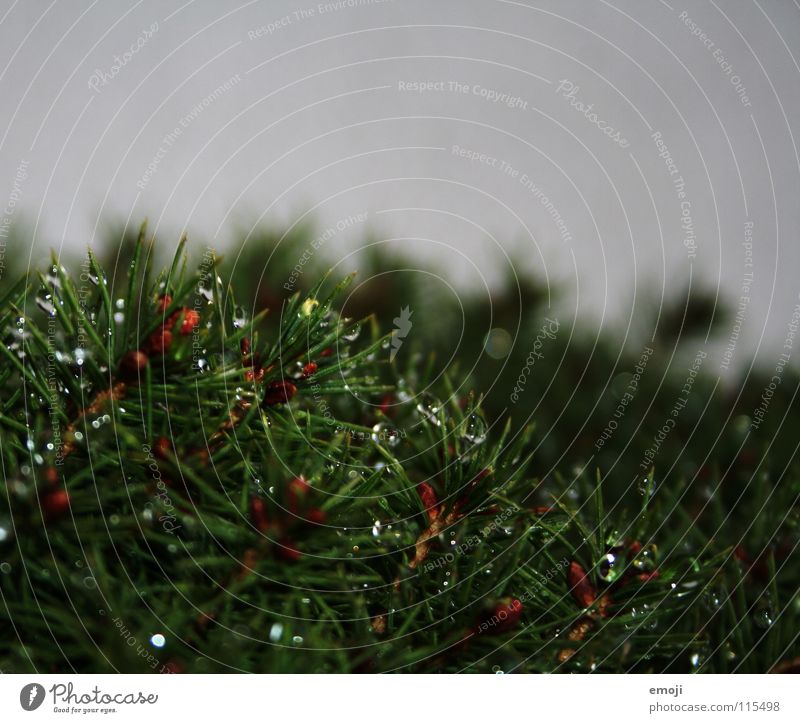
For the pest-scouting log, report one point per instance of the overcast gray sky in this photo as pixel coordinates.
(612, 146)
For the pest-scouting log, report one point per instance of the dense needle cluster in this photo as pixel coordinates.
(190, 489)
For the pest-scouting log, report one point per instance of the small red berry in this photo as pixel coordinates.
(386, 404)
(163, 303)
(583, 592)
(297, 491)
(132, 365)
(55, 504)
(279, 392)
(634, 548)
(288, 551)
(258, 514)
(316, 516)
(190, 321)
(162, 447)
(172, 667)
(502, 618)
(508, 614)
(309, 370)
(254, 375)
(160, 341)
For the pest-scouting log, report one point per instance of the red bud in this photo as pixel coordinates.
(55, 504)
(279, 392)
(163, 303)
(190, 320)
(258, 514)
(428, 496)
(160, 341)
(581, 587)
(132, 365)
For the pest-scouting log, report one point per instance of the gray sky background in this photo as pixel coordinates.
(290, 109)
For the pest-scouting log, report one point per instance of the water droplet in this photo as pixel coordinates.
(649, 621)
(646, 558)
(45, 302)
(6, 531)
(430, 409)
(275, 632)
(476, 430)
(647, 487)
(297, 640)
(52, 277)
(205, 291)
(382, 433)
(763, 618)
(158, 640)
(712, 600)
(352, 333)
(239, 317)
(607, 568)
